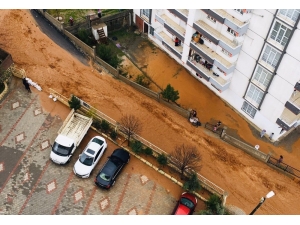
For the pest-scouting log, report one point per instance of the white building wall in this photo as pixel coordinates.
(289, 70)
(245, 64)
(294, 47)
(260, 22)
(238, 84)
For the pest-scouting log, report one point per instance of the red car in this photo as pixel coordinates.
(186, 204)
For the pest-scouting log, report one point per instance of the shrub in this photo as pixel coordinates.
(142, 80)
(106, 53)
(113, 135)
(74, 103)
(148, 151)
(162, 159)
(170, 93)
(104, 126)
(97, 124)
(214, 207)
(192, 183)
(137, 147)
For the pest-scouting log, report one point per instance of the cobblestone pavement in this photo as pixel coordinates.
(30, 184)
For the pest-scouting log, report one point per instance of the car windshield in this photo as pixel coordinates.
(188, 203)
(98, 141)
(86, 160)
(104, 176)
(61, 150)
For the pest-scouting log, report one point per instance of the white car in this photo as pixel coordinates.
(90, 157)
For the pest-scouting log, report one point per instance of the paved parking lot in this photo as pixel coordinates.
(31, 184)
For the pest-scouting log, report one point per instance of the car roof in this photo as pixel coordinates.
(121, 154)
(93, 146)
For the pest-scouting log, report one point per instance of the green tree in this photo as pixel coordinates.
(104, 126)
(106, 53)
(162, 159)
(192, 183)
(137, 147)
(74, 103)
(148, 151)
(170, 93)
(113, 134)
(214, 207)
(142, 80)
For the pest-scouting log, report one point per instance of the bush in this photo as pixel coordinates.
(137, 147)
(192, 183)
(214, 207)
(162, 159)
(74, 103)
(104, 126)
(142, 80)
(97, 124)
(83, 35)
(170, 93)
(107, 54)
(113, 135)
(148, 151)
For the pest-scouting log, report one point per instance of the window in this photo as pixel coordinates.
(229, 30)
(271, 56)
(249, 109)
(290, 13)
(211, 19)
(226, 52)
(262, 76)
(254, 94)
(280, 33)
(152, 31)
(146, 12)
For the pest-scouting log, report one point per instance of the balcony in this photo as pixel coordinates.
(213, 57)
(173, 27)
(232, 22)
(293, 104)
(217, 37)
(287, 119)
(180, 13)
(218, 82)
(168, 43)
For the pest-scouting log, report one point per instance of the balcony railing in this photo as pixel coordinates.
(215, 59)
(173, 27)
(218, 82)
(180, 13)
(170, 44)
(216, 37)
(232, 22)
(287, 119)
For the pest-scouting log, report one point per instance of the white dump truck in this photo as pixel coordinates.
(69, 137)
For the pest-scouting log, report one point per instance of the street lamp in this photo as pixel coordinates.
(269, 195)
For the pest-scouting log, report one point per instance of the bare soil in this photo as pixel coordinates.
(243, 177)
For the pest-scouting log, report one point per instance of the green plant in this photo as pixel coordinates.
(113, 135)
(148, 151)
(162, 159)
(192, 183)
(142, 80)
(83, 35)
(137, 147)
(97, 124)
(214, 207)
(91, 113)
(74, 103)
(170, 93)
(104, 126)
(107, 54)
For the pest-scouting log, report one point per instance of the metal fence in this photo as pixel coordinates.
(284, 167)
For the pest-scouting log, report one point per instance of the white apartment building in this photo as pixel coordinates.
(250, 58)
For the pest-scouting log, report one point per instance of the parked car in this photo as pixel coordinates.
(90, 157)
(111, 169)
(185, 205)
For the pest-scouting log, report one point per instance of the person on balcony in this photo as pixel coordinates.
(176, 41)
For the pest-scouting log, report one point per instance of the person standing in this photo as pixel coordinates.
(26, 85)
(262, 133)
(280, 159)
(176, 41)
(99, 13)
(271, 136)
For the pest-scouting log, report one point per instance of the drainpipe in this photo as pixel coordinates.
(280, 59)
(265, 40)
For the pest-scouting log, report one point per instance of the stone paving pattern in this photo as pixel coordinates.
(30, 184)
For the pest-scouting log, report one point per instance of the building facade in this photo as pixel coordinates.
(250, 58)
